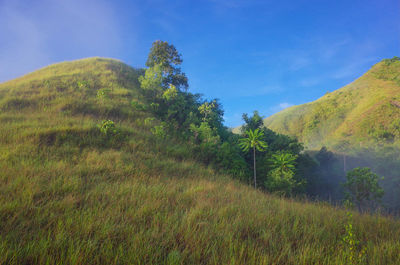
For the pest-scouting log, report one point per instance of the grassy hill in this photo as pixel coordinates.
(73, 195)
(365, 113)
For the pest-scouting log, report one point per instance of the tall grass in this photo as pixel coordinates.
(72, 195)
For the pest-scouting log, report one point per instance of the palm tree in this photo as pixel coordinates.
(281, 177)
(254, 141)
(284, 162)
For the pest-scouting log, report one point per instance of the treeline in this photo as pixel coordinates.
(257, 156)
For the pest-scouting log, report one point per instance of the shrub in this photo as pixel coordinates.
(108, 128)
(138, 106)
(103, 93)
(159, 131)
(281, 182)
(148, 121)
(351, 249)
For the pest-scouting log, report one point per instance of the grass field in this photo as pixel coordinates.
(72, 195)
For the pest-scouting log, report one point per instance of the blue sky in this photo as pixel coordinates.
(251, 54)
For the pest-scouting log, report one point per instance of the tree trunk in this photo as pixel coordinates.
(254, 166)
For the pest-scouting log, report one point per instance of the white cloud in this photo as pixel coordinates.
(50, 31)
(281, 106)
(285, 105)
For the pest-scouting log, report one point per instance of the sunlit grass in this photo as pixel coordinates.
(72, 195)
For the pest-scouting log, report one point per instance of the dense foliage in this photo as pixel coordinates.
(278, 162)
(190, 118)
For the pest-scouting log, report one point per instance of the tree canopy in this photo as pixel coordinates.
(179, 113)
(362, 187)
(168, 59)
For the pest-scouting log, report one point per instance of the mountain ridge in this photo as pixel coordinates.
(363, 112)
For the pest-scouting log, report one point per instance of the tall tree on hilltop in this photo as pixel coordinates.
(253, 141)
(165, 87)
(167, 57)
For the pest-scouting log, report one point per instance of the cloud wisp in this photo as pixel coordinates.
(281, 106)
(49, 31)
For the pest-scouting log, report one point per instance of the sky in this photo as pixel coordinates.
(250, 54)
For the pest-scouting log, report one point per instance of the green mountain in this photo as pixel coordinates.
(365, 113)
(72, 194)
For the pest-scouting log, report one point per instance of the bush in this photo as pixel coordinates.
(108, 128)
(281, 182)
(103, 93)
(159, 131)
(138, 106)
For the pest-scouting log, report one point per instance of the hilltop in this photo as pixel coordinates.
(74, 195)
(365, 113)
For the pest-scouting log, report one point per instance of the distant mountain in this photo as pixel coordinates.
(363, 114)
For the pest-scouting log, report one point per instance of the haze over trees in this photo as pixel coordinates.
(362, 188)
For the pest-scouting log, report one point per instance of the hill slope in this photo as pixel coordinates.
(72, 195)
(363, 113)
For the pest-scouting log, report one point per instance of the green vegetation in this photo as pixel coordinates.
(253, 141)
(352, 251)
(281, 178)
(108, 128)
(282, 167)
(164, 56)
(359, 123)
(143, 172)
(362, 187)
(363, 114)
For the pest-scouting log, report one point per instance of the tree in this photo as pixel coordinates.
(254, 141)
(162, 86)
(362, 187)
(253, 122)
(281, 182)
(283, 161)
(151, 82)
(167, 57)
(212, 113)
(281, 178)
